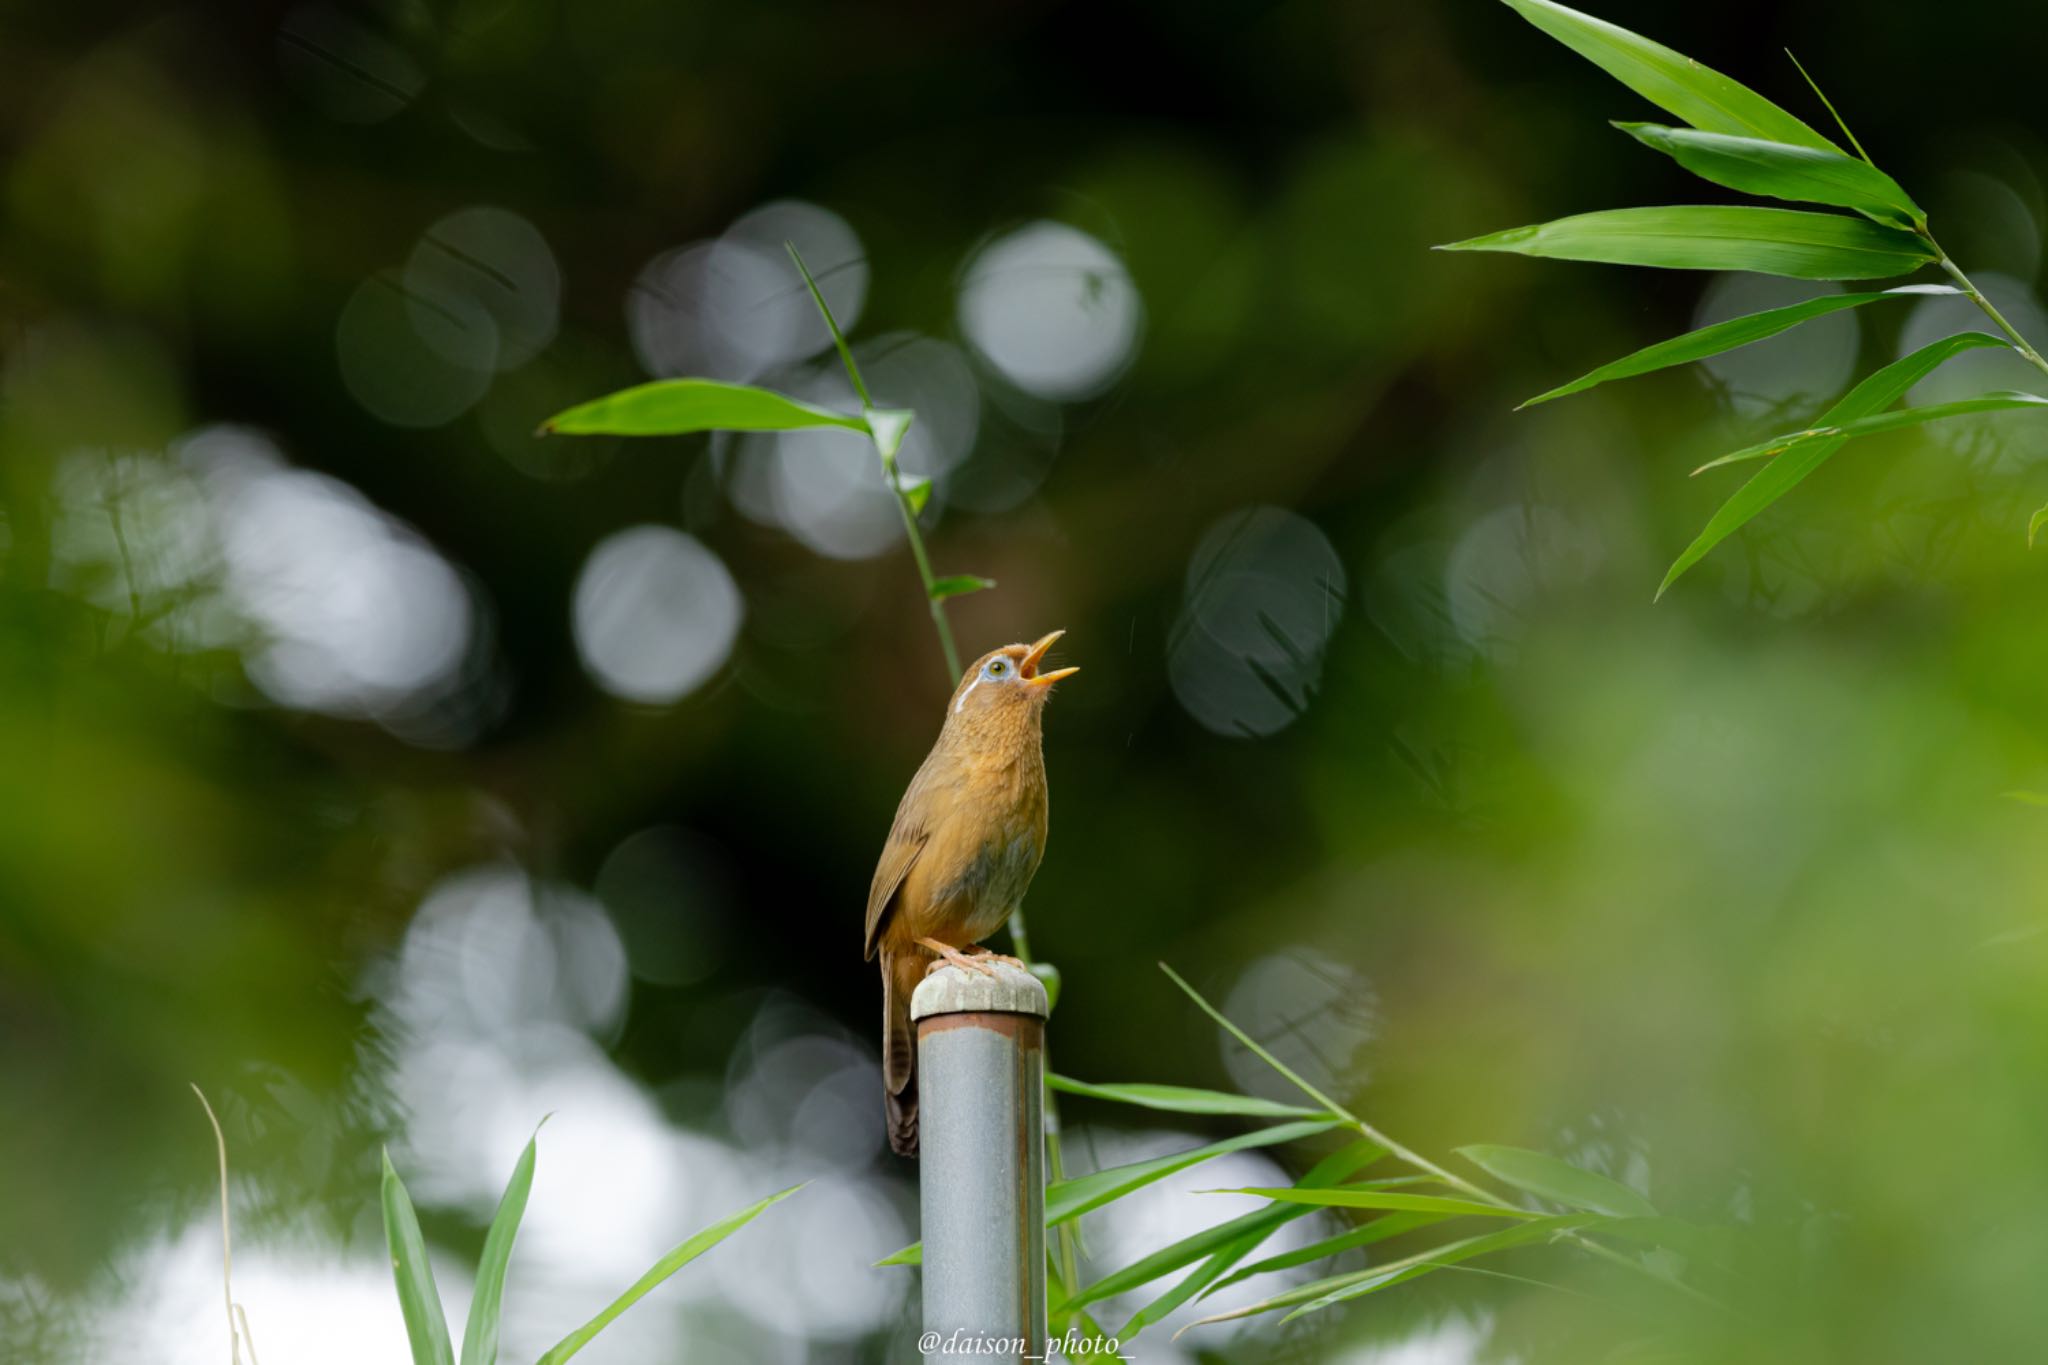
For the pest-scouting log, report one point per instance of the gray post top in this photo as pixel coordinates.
(954, 990)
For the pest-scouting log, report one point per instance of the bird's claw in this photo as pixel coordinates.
(980, 954)
(977, 959)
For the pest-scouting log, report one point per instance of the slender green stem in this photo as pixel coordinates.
(940, 623)
(1976, 296)
(924, 573)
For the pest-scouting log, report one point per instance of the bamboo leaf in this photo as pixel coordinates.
(1670, 80)
(1365, 1234)
(1331, 1289)
(1069, 1199)
(959, 585)
(1781, 170)
(917, 492)
(1880, 390)
(675, 407)
(1727, 336)
(1195, 1281)
(1791, 242)
(480, 1337)
(1090, 1330)
(1559, 1181)
(668, 1265)
(426, 1326)
(2035, 522)
(1072, 1198)
(1176, 1099)
(1340, 1165)
(1354, 1197)
(1414, 1267)
(1884, 421)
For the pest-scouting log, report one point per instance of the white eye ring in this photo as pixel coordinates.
(996, 668)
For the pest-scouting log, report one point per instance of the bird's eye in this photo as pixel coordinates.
(998, 668)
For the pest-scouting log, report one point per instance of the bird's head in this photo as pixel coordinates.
(1005, 686)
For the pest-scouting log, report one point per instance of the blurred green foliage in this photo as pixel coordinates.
(1728, 898)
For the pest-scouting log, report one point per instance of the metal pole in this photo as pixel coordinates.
(981, 1177)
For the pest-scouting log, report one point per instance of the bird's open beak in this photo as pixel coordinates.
(1028, 666)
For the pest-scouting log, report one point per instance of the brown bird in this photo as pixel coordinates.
(968, 837)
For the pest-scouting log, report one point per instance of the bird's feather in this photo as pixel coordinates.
(906, 841)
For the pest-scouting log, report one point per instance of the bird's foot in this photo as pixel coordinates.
(981, 954)
(949, 956)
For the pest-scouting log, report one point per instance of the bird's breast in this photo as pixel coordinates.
(992, 880)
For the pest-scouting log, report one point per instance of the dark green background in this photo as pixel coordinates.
(1725, 893)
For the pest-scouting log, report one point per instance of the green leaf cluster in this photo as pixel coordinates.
(419, 1300)
(1738, 139)
(1547, 1200)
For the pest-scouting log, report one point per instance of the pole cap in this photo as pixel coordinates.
(955, 990)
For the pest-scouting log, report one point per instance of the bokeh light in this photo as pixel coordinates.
(655, 614)
(1787, 376)
(414, 362)
(486, 258)
(357, 616)
(735, 308)
(1264, 592)
(1052, 310)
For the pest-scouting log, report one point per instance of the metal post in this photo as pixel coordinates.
(981, 1139)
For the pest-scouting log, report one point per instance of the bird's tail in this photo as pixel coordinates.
(900, 975)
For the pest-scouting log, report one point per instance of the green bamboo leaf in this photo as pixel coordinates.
(1069, 1199)
(1885, 421)
(2035, 522)
(1423, 1263)
(959, 585)
(1089, 1329)
(1365, 1234)
(426, 1326)
(1559, 1181)
(1780, 170)
(1880, 390)
(1330, 1289)
(1354, 1197)
(668, 1265)
(480, 1337)
(1340, 1165)
(917, 492)
(1072, 1198)
(675, 407)
(1727, 336)
(1196, 1280)
(1177, 1099)
(1670, 80)
(1791, 242)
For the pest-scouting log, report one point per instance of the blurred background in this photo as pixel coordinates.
(400, 777)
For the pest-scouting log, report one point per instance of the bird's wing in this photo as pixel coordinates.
(906, 841)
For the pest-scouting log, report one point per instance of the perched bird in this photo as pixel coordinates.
(968, 837)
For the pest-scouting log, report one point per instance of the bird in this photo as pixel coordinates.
(967, 839)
